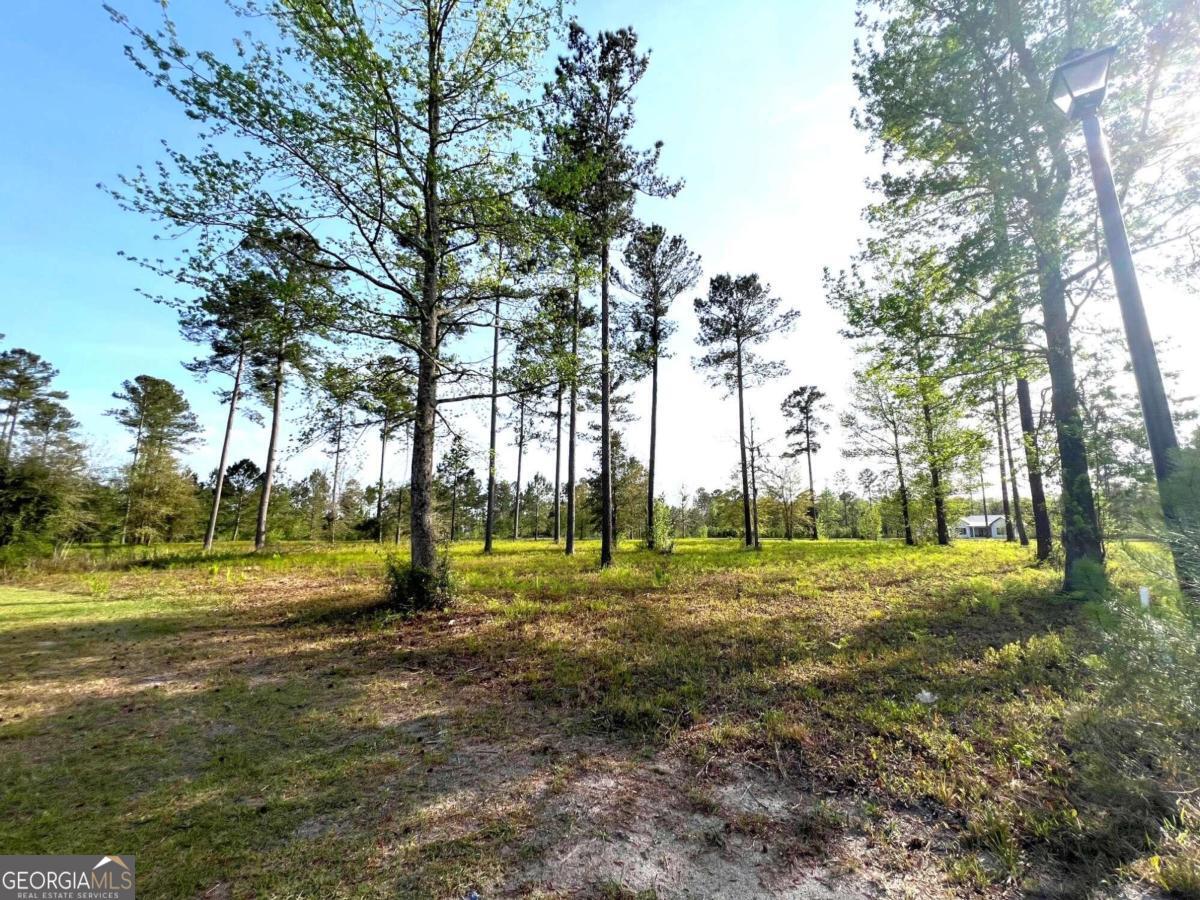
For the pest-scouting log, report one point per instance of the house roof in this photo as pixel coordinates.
(979, 521)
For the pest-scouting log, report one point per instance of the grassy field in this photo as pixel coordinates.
(256, 726)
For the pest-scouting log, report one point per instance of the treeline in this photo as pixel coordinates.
(54, 496)
(395, 217)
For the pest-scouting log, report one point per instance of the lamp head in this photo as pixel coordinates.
(1079, 84)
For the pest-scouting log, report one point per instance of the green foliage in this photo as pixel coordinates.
(664, 537)
(411, 589)
(737, 314)
(870, 522)
(660, 268)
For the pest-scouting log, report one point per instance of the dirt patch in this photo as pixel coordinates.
(651, 827)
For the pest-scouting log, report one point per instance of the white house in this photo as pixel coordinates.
(981, 527)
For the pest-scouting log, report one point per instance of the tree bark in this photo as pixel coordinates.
(812, 490)
(383, 432)
(754, 487)
(606, 499)
(1033, 468)
(489, 522)
(571, 424)
(905, 512)
(747, 525)
(1081, 528)
(264, 502)
(558, 464)
(211, 533)
(935, 477)
(653, 439)
(1009, 533)
(422, 538)
(520, 455)
(337, 471)
(1018, 513)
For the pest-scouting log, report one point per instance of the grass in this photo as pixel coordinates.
(257, 726)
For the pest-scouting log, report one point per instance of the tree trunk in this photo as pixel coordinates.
(453, 509)
(935, 477)
(237, 515)
(558, 464)
(571, 424)
(754, 486)
(422, 539)
(1081, 529)
(337, 471)
(520, 459)
(653, 441)
(137, 448)
(383, 437)
(1009, 534)
(1033, 468)
(812, 490)
(607, 531)
(747, 525)
(264, 502)
(1018, 514)
(400, 509)
(905, 512)
(489, 521)
(613, 521)
(211, 533)
(10, 431)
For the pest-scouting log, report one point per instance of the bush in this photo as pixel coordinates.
(870, 523)
(412, 589)
(664, 541)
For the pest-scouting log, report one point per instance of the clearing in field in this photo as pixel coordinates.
(817, 720)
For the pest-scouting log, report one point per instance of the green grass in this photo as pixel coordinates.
(257, 722)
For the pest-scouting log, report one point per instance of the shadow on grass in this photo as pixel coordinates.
(993, 757)
(251, 744)
(292, 762)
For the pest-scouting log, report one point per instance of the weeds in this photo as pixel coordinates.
(244, 701)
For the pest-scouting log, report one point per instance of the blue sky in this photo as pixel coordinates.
(752, 101)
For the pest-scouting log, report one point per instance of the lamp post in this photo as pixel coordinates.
(1078, 87)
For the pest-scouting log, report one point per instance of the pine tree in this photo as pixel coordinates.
(659, 269)
(588, 119)
(162, 423)
(24, 380)
(803, 407)
(737, 315)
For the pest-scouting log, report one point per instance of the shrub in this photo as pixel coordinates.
(664, 541)
(412, 589)
(870, 523)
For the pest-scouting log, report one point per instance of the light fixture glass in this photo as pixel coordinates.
(1079, 84)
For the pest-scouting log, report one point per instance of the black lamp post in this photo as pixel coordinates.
(1077, 87)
